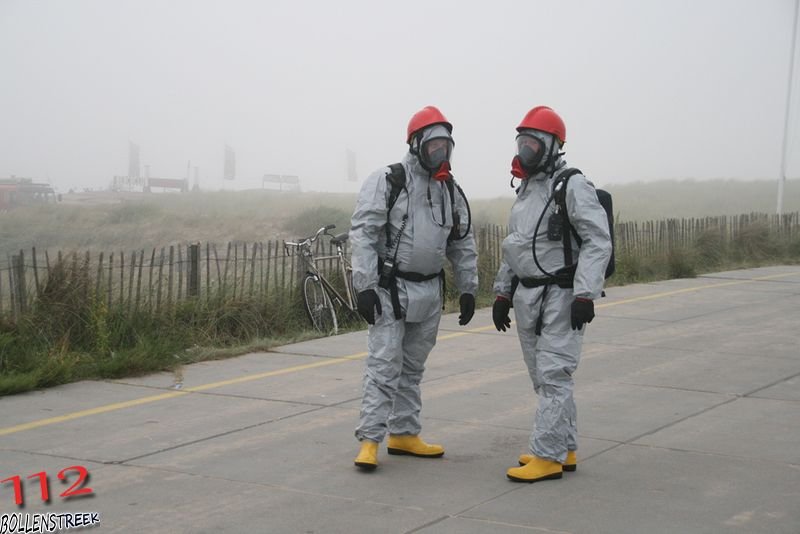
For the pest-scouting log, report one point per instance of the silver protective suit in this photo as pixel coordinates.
(553, 356)
(398, 348)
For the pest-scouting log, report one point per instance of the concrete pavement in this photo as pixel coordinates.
(689, 419)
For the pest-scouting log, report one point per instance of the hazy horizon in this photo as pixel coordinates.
(648, 91)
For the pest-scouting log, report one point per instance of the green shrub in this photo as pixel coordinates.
(710, 249)
(681, 264)
(65, 307)
(755, 242)
(628, 269)
(793, 248)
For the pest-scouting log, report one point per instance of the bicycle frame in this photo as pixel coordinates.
(304, 247)
(344, 267)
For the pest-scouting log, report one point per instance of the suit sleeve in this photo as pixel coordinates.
(591, 223)
(367, 226)
(462, 253)
(502, 281)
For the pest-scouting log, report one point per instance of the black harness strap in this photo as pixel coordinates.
(417, 277)
(397, 182)
(395, 294)
(539, 319)
(539, 282)
(560, 193)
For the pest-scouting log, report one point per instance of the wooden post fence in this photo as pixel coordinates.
(194, 270)
(269, 273)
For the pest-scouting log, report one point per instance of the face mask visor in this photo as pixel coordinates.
(435, 152)
(530, 152)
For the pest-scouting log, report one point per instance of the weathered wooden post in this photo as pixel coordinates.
(194, 270)
(19, 282)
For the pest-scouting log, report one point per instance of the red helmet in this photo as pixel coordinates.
(427, 116)
(544, 119)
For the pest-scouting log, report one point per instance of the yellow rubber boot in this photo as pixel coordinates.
(535, 470)
(367, 458)
(413, 446)
(570, 464)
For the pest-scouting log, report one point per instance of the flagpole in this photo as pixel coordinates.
(782, 177)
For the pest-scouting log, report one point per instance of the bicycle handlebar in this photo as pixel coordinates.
(309, 240)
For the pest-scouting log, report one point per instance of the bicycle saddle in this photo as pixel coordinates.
(339, 239)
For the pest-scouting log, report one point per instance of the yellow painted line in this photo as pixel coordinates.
(86, 413)
(249, 378)
(155, 398)
(692, 289)
(277, 372)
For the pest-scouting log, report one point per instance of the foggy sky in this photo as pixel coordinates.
(648, 90)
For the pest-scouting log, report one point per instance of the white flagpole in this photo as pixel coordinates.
(782, 177)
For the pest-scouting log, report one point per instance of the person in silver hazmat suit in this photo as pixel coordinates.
(551, 302)
(399, 246)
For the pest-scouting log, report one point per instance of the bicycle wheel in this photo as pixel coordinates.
(318, 305)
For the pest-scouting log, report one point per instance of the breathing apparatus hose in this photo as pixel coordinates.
(469, 213)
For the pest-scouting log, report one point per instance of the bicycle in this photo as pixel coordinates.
(320, 298)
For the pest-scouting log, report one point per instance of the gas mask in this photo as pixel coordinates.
(532, 154)
(434, 156)
(434, 149)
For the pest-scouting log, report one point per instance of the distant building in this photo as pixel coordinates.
(281, 182)
(128, 183)
(181, 184)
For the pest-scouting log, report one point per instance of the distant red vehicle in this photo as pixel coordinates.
(16, 192)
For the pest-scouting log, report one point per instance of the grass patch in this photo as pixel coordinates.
(69, 335)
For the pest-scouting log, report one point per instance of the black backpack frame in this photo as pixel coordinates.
(560, 195)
